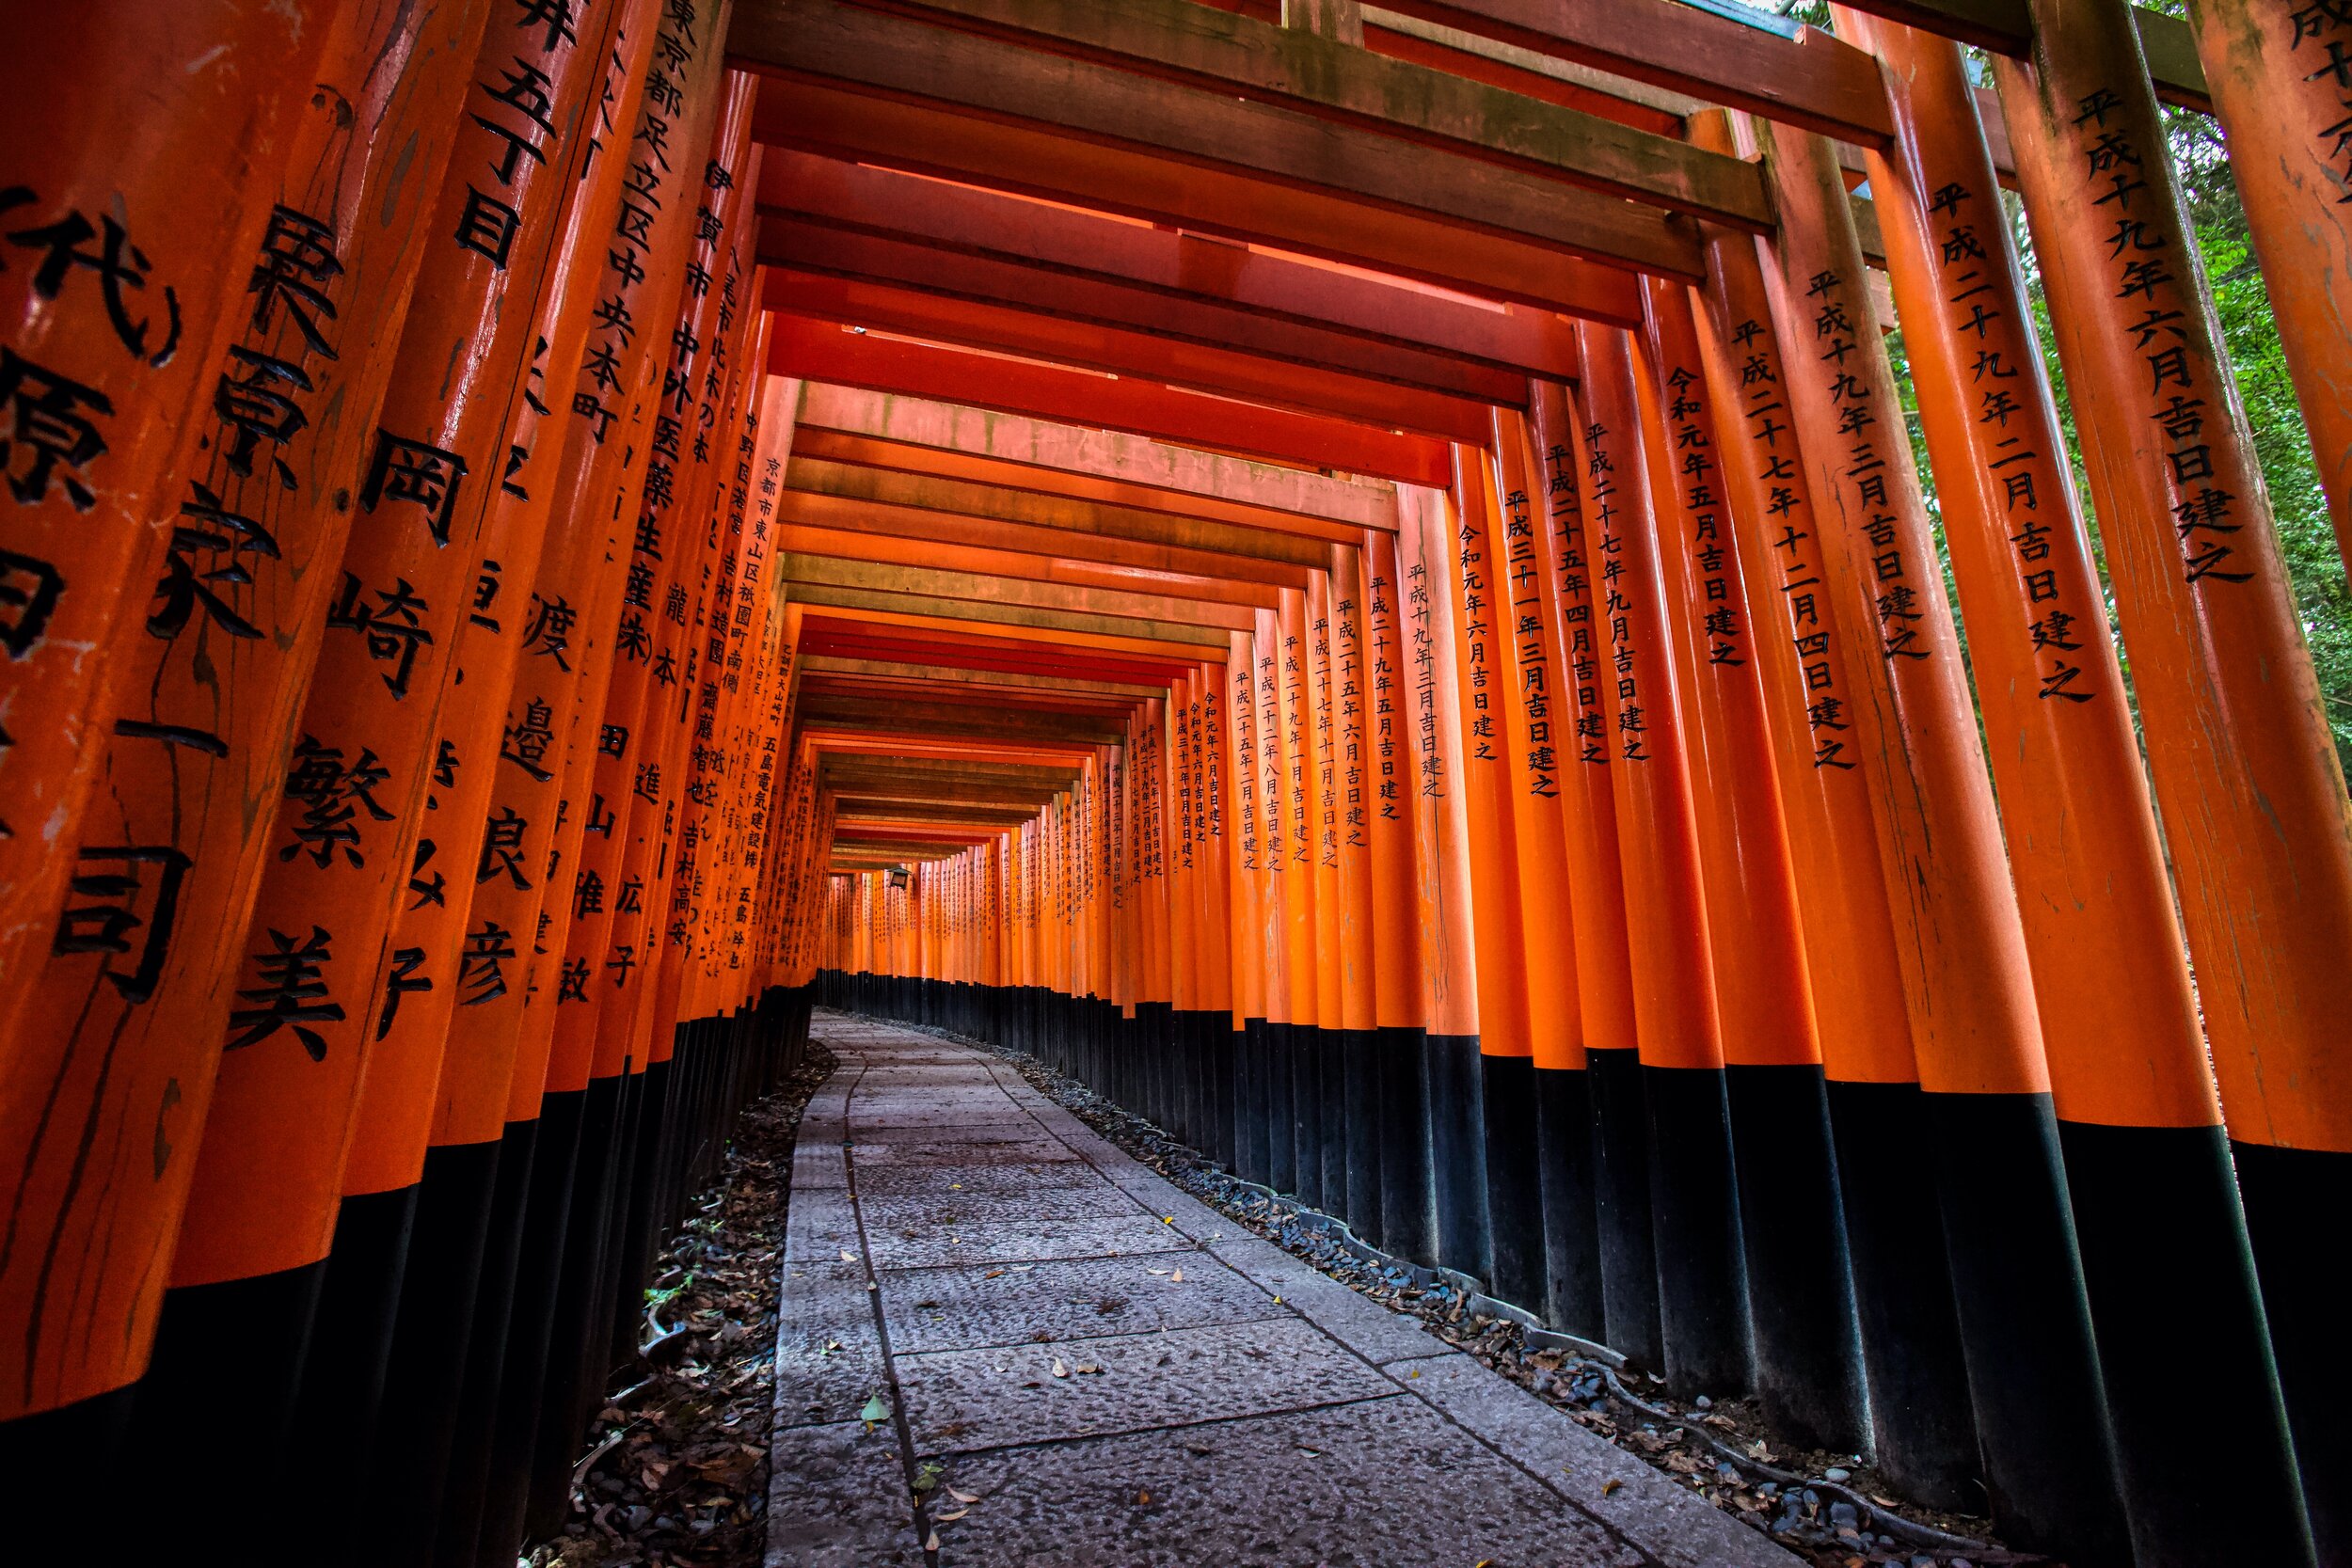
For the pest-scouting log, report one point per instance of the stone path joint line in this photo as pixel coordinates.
(1123, 1378)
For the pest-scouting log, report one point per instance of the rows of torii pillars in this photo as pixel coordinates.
(391, 678)
(1616, 898)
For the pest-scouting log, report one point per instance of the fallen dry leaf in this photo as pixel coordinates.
(1176, 1278)
(1060, 1370)
(951, 1517)
(1609, 1486)
(961, 1496)
(848, 1256)
(932, 1544)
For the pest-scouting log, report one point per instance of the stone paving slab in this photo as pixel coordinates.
(1022, 1236)
(988, 1399)
(1381, 1483)
(961, 1308)
(1227, 1427)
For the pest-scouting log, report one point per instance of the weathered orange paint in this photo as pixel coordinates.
(1540, 734)
(1483, 683)
(146, 150)
(1820, 728)
(1969, 992)
(2119, 1014)
(1763, 993)
(2245, 773)
(2278, 76)
(318, 953)
(1595, 882)
(1674, 987)
(1448, 919)
(184, 792)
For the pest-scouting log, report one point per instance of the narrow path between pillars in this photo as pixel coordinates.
(1004, 1341)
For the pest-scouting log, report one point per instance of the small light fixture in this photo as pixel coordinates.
(897, 876)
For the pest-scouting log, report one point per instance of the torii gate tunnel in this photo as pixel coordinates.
(1359, 578)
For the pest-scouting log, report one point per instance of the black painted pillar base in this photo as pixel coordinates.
(1807, 1338)
(418, 1424)
(457, 1508)
(1408, 1222)
(216, 1407)
(1249, 1139)
(1335, 1197)
(1695, 1209)
(2295, 1203)
(1457, 1153)
(2165, 1259)
(69, 1457)
(1515, 1210)
(1621, 1206)
(1571, 1301)
(1362, 1049)
(331, 1442)
(577, 1298)
(1922, 1422)
(2033, 1374)
(1307, 1046)
(1281, 1170)
(549, 1226)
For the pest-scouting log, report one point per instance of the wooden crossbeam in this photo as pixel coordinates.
(1032, 327)
(838, 120)
(863, 633)
(2005, 27)
(981, 588)
(887, 522)
(1165, 639)
(1064, 243)
(1180, 129)
(1811, 80)
(1304, 70)
(985, 680)
(1108, 308)
(1147, 589)
(827, 350)
(1135, 470)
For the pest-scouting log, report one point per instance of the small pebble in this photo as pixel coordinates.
(1703, 1402)
(1834, 1473)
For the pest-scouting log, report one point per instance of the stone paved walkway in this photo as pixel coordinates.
(1123, 1377)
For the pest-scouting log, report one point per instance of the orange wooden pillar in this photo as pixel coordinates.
(1274, 915)
(1567, 1132)
(2279, 74)
(1692, 1203)
(1323, 814)
(1246, 850)
(1503, 1093)
(1540, 729)
(148, 153)
(2244, 771)
(1921, 1422)
(1177, 1076)
(1455, 1197)
(102, 1047)
(1807, 1346)
(1620, 1303)
(553, 1101)
(1392, 791)
(1295, 736)
(1218, 1016)
(1352, 796)
(398, 1311)
(264, 1193)
(2154, 1199)
(2023, 1316)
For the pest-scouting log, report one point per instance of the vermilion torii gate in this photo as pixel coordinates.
(1353, 576)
